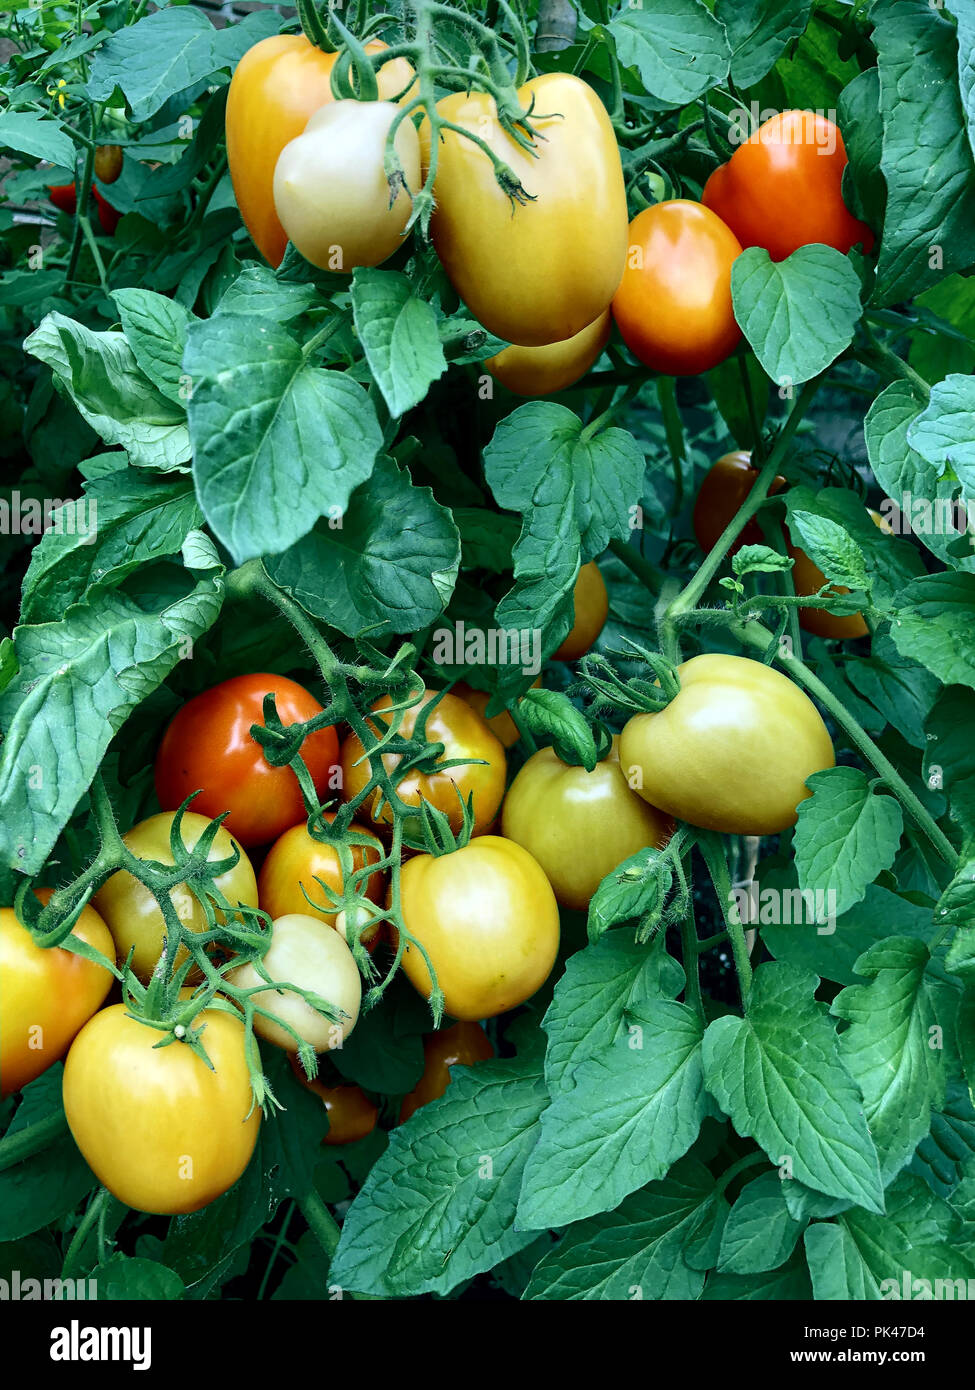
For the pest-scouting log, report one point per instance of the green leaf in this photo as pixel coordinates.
(636, 888)
(100, 373)
(399, 335)
(846, 835)
(50, 1183)
(123, 1277)
(758, 32)
(257, 290)
(965, 18)
(439, 1205)
(134, 518)
(832, 950)
(945, 1154)
(942, 433)
(487, 538)
(170, 52)
(889, 1046)
(725, 381)
(601, 986)
(858, 112)
(635, 1107)
(839, 557)
(277, 443)
(79, 680)
(945, 338)
(965, 1034)
(760, 1234)
(927, 161)
(636, 1251)
(935, 625)
(37, 136)
(777, 1074)
(790, 1283)
(679, 49)
(574, 491)
(155, 328)
(798, 314)
(389, 563)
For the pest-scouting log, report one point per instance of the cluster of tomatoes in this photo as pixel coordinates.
(108, 167)
(545, 258)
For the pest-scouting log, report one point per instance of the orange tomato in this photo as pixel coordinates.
(296, 860)
(590, 601)
(461, 1045)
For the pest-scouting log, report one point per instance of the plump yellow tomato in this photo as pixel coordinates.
(297, 864)
(591, 603)
(331, 192)
(46, 994)
(463, 733)
(579, 825)
(541, 371)
(131, 911)
(276, 87)
(673, 306)
(501, 725)
(541, 270)
(304, 951)
(489, 921)
(731, 751)
(461, 1045)
(161, 1130)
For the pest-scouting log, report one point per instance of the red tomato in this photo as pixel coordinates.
(63, 196)
(673, 306)
(783, 188)
(208, 746)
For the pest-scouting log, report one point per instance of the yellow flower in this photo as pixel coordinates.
(55, 91)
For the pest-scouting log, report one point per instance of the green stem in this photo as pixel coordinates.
(647, 572)
(14, 1148)
(690, 949)
(93, 1214)
(712, 849)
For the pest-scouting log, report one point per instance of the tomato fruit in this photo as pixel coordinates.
(501, 725)
(297, 859)
(351, 1114)
(462, 1045)
(160, 1129)
(463, 733)
(540, 371)
(48, 994)
(489, 920)
(808, 578)
(591, 608)
(539, 271)
(64, 197)
(783, 188)
(276, 88)
(579, 825)
(108, 163)
(208, 747)
(304, 951)
(673, 306)
(732, 750)
(722, 493)
(331, 193)
(132, 913)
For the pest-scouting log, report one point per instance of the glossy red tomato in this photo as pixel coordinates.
(783, 188)
(459, 1046)
(64, 197)
(722, 494)
(208, 747)
(673, 306)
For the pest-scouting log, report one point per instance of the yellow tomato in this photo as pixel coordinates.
(541, 371)
(541, 270)
(591, 603)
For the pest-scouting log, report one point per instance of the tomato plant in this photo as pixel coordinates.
(487, 572)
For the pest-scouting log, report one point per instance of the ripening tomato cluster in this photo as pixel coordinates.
(549, 261)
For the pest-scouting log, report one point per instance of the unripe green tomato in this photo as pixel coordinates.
(331, 193)
(307, 952)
